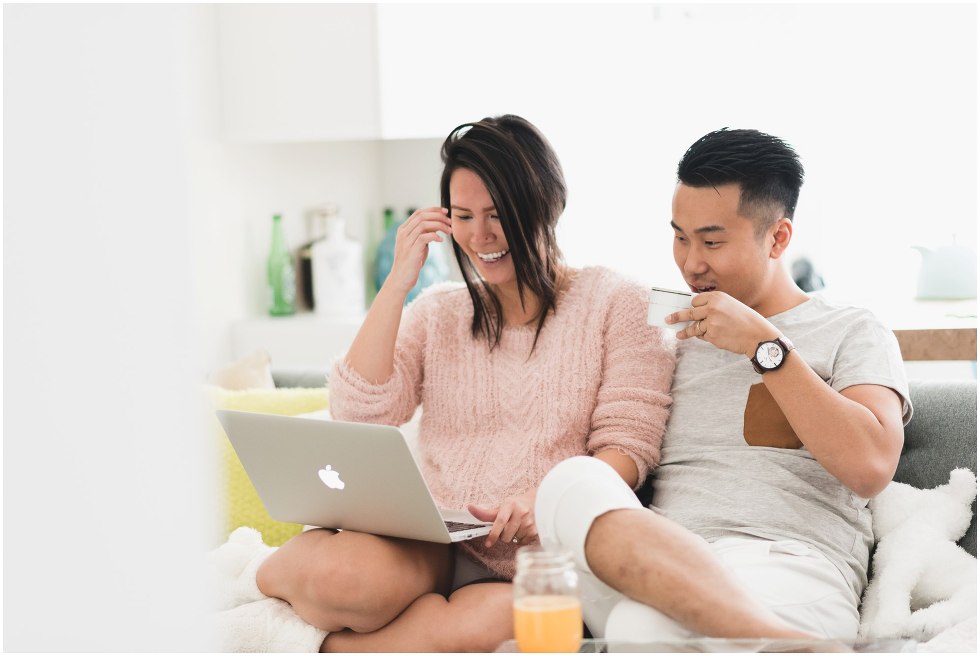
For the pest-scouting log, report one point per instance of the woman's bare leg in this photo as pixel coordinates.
(354, 580)
(476, 617)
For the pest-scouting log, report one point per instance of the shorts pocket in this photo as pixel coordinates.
(793, 548)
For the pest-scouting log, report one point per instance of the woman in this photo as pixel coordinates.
(528, 364)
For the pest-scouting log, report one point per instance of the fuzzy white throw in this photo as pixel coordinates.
(247, 620)
(923, 583)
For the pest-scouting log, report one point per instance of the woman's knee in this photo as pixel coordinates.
(353, 580)
(287, 573)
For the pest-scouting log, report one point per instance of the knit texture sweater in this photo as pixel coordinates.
(494, 422)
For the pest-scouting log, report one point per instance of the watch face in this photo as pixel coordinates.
(769, 355)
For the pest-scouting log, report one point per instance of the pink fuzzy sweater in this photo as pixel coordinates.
(495, 422)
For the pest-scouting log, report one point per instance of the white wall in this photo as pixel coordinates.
(135, 235)
(107, 469)
(240, 186)
(880, 100)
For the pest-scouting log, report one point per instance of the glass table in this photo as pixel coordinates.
(745, 646)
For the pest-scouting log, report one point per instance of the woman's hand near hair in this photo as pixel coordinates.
(513, 520)
(372, 354)
(412, 247)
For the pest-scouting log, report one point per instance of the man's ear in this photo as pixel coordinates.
(781, 234)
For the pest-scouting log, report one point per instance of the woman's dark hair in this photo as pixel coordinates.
(521, 172)
(767, 170)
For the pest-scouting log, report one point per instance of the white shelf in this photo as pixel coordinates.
(302, 341)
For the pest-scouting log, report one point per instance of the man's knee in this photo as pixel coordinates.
(572, 495)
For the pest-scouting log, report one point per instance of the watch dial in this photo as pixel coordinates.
(769, 355)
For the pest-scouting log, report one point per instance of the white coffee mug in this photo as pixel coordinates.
(664, 302)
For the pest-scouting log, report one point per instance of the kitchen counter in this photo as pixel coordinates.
(926, 331)
(933, 330)
(301, 341)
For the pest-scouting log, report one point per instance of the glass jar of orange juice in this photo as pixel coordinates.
(547, 609)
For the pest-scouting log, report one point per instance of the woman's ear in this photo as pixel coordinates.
(781, 233)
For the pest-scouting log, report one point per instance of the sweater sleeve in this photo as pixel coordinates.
(393, 402)
(634, 395)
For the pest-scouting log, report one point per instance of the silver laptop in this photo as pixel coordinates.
(337, 474)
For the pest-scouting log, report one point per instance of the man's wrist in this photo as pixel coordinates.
(771, 354)
(759, 338)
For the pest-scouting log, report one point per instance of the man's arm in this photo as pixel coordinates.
(855, 434)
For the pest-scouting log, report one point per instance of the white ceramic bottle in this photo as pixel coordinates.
(338, 273)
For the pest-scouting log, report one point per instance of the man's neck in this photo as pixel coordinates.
(780, 295)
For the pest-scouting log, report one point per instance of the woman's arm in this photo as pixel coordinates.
(633, 400)
(372, 355)
(624, 465)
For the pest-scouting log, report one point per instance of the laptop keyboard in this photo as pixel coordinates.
(461, 526)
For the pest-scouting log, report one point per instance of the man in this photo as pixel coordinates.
(788, 414)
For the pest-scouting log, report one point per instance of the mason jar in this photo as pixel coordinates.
(547, 606)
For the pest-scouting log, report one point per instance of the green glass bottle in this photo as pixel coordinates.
(282, 274)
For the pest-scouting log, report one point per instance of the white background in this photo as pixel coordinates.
(134, 233)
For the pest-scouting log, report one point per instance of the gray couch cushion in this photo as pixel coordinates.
(299, 377)
(941, 437)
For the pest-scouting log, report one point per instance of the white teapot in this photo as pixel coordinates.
(948, 273)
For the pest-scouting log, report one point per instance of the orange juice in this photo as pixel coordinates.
(548, 623)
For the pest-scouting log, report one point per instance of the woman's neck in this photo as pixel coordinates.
(510, 300)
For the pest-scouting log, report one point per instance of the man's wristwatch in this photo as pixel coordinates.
(771, 354)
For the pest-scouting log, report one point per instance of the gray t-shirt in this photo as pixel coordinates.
(731, 465)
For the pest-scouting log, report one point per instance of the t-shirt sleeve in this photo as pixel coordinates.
(869, 354)
(392, 402)
(634, 396)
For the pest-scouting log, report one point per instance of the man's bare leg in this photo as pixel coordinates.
(665, 566)
(477, 617)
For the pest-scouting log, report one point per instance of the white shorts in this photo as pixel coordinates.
(794, 580)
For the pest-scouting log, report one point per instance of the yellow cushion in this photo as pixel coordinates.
(242, 506)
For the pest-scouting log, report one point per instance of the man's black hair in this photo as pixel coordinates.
(766, 168)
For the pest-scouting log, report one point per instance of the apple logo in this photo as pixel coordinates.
(331, 478)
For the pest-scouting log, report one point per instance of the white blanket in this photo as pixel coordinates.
(961, 638)
(247, 620)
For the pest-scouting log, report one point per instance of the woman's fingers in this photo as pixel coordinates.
(426, 222)
(512, 528)
(435, 216)
(514, 523)
(499, 524)
(520, 526)
(411, 243)
(527, 532)
(481, 513)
